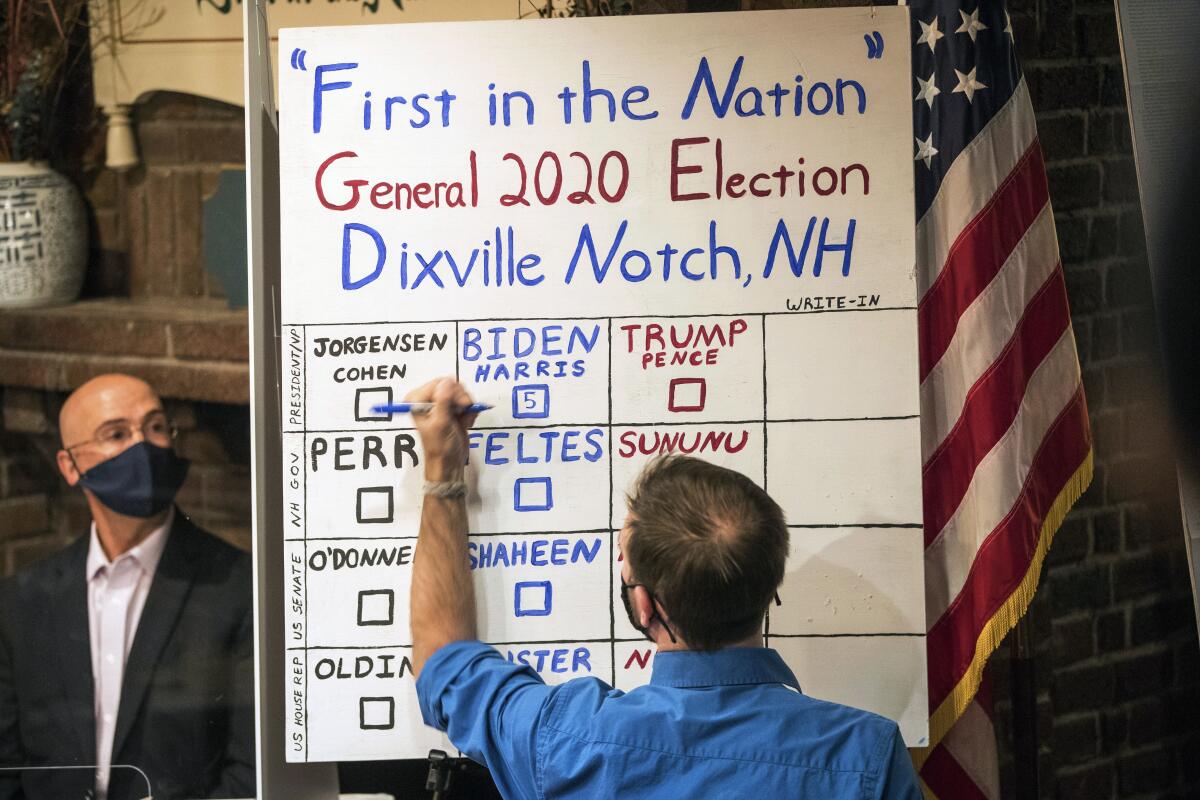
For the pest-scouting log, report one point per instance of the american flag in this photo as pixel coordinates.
(1005, 438)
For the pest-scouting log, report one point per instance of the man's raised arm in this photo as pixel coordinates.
(442, 604)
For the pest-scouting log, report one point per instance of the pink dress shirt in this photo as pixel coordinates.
(117, 593)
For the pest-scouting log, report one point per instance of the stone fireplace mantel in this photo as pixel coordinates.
(187, 349)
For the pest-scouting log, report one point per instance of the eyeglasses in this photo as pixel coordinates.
(113, 437)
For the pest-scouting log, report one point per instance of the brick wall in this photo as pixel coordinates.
(25, 481)
(1118, 666)
(147, 239)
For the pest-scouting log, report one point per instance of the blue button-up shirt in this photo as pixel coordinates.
(726, 724)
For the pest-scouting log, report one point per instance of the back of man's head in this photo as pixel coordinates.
(710, 544)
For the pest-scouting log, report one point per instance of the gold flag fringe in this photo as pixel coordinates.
(1005, 618)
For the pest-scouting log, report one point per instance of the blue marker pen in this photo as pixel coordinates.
(425, 408)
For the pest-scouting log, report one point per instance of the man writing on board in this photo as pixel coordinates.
(134, 645)
(722, 716)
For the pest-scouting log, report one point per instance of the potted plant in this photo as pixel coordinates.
(43, 229)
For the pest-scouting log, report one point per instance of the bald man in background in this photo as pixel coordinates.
(134, 644)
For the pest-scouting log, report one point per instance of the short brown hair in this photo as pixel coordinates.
(710, 544)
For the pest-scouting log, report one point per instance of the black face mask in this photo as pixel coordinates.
(140, 482)
(625, 587)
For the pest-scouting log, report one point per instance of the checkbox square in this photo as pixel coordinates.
(375, 504)
(533, 598)
(533, 494)
(376, 713)
(531, 401)
(376, 607)
(687, 394)
(365, 401)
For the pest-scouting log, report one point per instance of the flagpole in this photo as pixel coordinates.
(1024, 712)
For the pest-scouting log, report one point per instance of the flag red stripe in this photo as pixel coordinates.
(949, 781)
(1005, 556)
(992, 404)
(979, 253)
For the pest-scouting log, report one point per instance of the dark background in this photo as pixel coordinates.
(1118, 667)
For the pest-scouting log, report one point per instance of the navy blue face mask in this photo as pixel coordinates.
(140, 482)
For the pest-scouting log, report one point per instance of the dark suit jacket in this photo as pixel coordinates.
(186, 715)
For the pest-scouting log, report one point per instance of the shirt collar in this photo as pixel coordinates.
(147, 553)
(732, 666)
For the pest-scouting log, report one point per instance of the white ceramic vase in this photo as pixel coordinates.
(43, 236)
